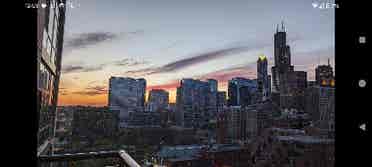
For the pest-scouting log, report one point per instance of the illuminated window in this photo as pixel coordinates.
(332, 82)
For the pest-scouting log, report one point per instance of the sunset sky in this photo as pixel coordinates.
(164, 41)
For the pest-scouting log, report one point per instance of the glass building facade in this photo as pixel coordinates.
(50, 28)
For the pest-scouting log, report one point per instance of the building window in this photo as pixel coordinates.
(45, 42)
(53, 55)
(51, 21)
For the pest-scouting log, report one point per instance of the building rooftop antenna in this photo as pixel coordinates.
(277, 27)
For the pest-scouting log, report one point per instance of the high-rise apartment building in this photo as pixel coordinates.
(320, 103)
(241, 91)
(324, 75)
(213, 85)
(126, 95)
(158, 100)
(50, 30)
(194, 100)
(221, 100)
(263, 79)
(212, 98)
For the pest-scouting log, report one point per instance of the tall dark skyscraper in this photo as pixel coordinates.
(50, 29)
(263, 79)
(288, 85)
(282, 67)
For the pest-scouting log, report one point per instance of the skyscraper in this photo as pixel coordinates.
(282, 67)
(212, 97)
(324, 75)
(192, 101)
(320, 103)
(158, 100)
(241, 90)
(288, 85)
(50, 29)
(263, 79)
(126, 95)
(221, 100)
(213, 84)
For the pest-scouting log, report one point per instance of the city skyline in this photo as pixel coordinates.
(157, 45)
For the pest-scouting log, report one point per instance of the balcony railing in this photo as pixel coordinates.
(124, 159)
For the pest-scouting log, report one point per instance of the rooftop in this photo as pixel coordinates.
(305, 139)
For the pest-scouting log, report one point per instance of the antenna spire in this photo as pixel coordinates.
(277, 27)
(328, 62)
(283, 26)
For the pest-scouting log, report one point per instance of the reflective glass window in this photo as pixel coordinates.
(45, 40)
(52, 55)
(49, 47)
(51, 83)
(39, 75)
(42, 76)
(46, 10)
(51, 21)
(57, 10)
(55, 36)
(46, 79)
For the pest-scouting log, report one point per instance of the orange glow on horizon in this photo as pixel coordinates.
(102, 99)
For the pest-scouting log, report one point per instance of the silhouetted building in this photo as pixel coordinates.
(295, 97)
(158, 100)
(320, 103)
(213, 85)
(221, 100)
(241, 91)
(203, 155)
(144, 119)
(126, 95)
(282, 66)
(192, 102)
(212, 98)
(288, 85)
(263, 79)
(222, 126)
(324, 75)
(50, 30)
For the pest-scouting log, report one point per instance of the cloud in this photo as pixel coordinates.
(129, 62)
(78, 68)
(71, 69)
(246, 70)
(92, 91)
(63, 91)
(84, 40)
(199, 58)
(140, 72)
(171, 85)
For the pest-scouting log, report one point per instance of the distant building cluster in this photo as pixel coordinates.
(196, 102)
(280, 119)
(126, 95)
